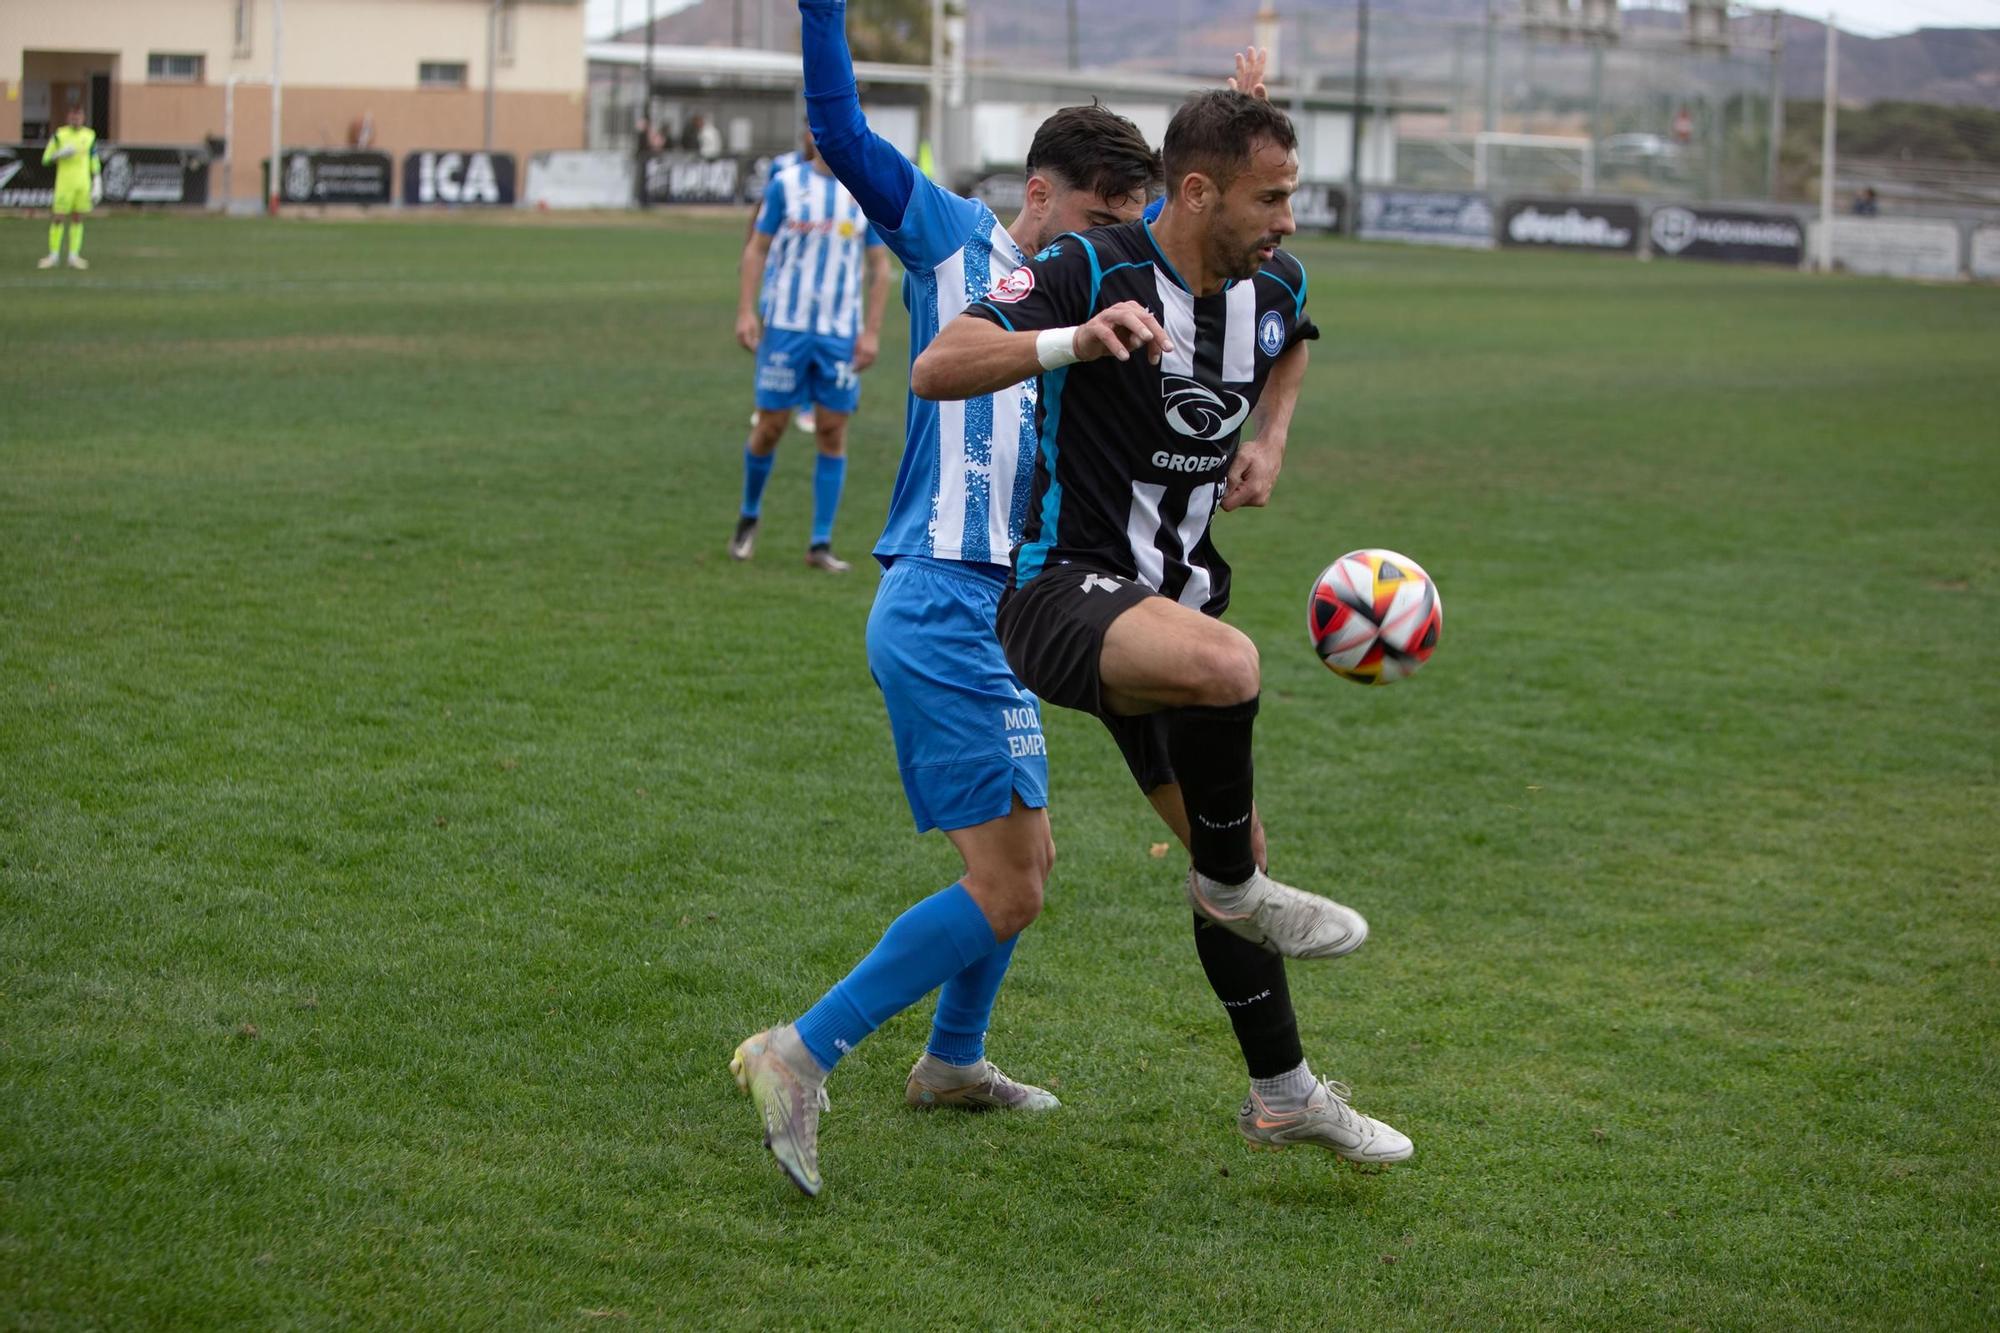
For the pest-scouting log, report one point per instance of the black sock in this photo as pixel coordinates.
(1210, 751)
(1250, 981)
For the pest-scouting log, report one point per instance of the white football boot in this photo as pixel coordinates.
(1283, 919)
(980, 1088)
(1325, 1121)
(782, 1077)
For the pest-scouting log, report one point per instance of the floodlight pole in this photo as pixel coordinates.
(1491, 115)
(277, 101)
(1826, 147)
(936, 128)
(1777, 101)
(1355, 139)
(492, 59)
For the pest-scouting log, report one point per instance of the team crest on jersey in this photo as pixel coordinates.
(847, 230)
(1271, 333)
(1201, 412)
(1014, 287)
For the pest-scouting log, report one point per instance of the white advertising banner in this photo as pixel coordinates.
(1893, 247)
(579, 180)
(1986, 253)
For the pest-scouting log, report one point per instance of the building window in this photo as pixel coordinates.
(441, 74)
(245, 34)
(164, 68)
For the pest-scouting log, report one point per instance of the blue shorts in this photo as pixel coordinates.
(806, 369)
(968, 733)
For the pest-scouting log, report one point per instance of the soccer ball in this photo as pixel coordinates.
(1374, 617)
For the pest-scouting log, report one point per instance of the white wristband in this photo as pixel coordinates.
(1056, 348)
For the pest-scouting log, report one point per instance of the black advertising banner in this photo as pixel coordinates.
(1428, 217)
(131, 175)
(683, 178)
(24, 181)
(465, 178)
(343, 177)
(152, 175)
(1319, 207)
(1571, 224)
(1734, 237)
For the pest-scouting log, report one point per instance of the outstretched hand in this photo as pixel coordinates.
(1251, 63)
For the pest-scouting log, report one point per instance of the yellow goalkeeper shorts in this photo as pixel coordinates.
(73, 198)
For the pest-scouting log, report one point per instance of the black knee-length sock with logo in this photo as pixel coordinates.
(1210, 752)
(1250, 981)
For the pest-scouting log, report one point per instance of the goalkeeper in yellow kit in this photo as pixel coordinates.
(73, 151)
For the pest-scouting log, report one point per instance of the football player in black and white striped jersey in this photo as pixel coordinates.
(1155, 344)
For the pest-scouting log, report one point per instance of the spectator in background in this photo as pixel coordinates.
(1867, 204)
(691, 134)
(708, 139)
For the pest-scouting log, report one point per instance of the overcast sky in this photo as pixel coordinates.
(1875, 18)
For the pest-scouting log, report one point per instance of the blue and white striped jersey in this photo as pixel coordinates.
(813, 275)
(968, 473)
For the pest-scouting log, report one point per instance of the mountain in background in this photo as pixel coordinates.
(1950, 66)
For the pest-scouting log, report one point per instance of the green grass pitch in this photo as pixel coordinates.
(405, 806)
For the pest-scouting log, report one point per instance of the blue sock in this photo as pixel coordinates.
(921, 950)
(756, 471)
(965, 1004)
(827, 479)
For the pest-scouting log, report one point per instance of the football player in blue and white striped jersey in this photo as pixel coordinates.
(799, 308)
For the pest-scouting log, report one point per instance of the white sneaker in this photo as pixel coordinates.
(822, 557)
(1326, 1121)
(982, 1088)
(48, 261)
(78, 261)
(1283, 919)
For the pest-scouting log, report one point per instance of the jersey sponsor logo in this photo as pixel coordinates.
(1186, 462)
(1014, 287)
(1271, 333)
(1201, 412)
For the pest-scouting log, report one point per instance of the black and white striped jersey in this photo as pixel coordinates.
(1133, 456)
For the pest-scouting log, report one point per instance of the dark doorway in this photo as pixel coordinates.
(100, 104)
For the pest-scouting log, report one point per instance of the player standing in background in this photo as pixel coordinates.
(804, 419)
(73, 150)
(799, 308)
(1117, 592)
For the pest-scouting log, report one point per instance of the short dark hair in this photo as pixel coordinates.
(1215, 132)
(1094, 148)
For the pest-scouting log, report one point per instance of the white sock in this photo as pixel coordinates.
(1289, 1091)
(1226, 896)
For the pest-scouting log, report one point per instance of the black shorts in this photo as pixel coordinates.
(1053, 634)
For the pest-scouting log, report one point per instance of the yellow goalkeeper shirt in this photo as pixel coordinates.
(73, 172)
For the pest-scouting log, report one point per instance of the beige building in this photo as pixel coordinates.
(397, 75)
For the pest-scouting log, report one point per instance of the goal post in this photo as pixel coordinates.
(1568, 157)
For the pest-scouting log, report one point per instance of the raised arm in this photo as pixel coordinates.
(878, 176)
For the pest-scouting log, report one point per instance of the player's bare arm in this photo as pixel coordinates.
(750, 283)
(971, 357)
(1261, 458)
(868, 346)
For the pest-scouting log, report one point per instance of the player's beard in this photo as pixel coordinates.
(1244, 264)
